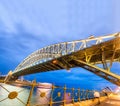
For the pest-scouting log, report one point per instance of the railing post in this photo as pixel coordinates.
(64, 99)
(86, 95)
(73, 95)
(79, 94)
(31, 92)
(51, 97)
(91, 94)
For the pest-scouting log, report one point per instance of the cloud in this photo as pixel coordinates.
(26, 26)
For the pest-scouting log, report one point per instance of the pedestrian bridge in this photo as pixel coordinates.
(95, 54)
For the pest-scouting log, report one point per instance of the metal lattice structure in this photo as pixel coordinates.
(86, 53)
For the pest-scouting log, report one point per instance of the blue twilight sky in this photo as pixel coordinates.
(28, 25)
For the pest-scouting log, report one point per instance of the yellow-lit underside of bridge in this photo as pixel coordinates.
(88, 57)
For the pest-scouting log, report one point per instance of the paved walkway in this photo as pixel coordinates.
(112, 101)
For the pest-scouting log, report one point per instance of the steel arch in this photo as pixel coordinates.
(57, 50)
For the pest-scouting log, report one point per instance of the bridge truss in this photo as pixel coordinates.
(90, 54)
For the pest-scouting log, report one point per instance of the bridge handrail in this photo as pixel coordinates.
(58, 94)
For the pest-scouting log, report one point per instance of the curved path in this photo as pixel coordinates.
(112, 101)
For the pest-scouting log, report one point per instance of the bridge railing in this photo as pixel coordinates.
(34, 94)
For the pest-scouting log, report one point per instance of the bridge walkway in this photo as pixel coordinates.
(111, 101)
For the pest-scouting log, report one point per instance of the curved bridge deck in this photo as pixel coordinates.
(104, 53)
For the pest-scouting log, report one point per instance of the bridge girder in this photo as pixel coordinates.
(71, 55)
(108, 75)
(61, 49)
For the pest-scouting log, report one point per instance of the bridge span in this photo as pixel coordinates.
(95, 54)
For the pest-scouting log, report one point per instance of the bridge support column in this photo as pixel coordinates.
(31, 92)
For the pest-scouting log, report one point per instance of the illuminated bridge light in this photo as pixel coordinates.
(54, 61)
